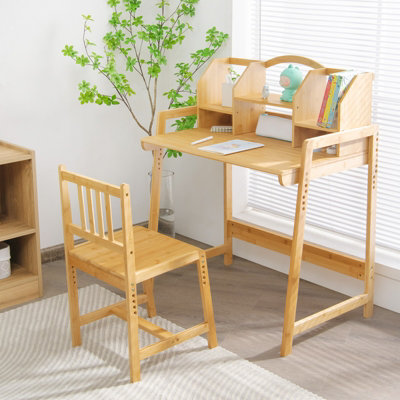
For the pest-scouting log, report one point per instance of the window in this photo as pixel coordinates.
(364, 35)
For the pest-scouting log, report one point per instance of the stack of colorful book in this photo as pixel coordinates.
(337, 84)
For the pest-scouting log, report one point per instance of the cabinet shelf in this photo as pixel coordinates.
(216, 108)
(20, 286)
(12, 228)
(19, 274)
(272, 100)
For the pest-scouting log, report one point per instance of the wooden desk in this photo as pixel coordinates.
(291, 165)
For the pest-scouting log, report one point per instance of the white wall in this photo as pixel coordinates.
(39, 110)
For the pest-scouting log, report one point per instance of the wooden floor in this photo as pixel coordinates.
(347, 358)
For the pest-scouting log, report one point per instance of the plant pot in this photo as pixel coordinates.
(166, 218)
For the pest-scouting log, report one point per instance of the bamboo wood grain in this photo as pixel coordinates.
(135, 254)
(296, 251)
(92, 183)
(81, 208)
(371, 224)
(205, 292)
(98, 314)
(215, 251)
(318, 255)
(156, 174)
(165, 344)
(19, 221)
(70, 269)
(329, 313)
(99, 210)
(110, 229)
(10, 153)
(163, 116)
(276, 157)
(33, 250)
(292, 59)
(130, 284)
(296, 162)
(154, 329)
(227, 213)
(76, 230)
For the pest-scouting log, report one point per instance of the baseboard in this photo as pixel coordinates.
(52, 253)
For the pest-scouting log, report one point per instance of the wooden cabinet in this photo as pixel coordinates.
(19, 226)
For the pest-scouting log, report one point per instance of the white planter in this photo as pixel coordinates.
(5, 269)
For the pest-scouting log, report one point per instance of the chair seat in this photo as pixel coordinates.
(154, 254)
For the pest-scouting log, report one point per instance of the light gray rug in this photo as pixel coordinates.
(38, 362)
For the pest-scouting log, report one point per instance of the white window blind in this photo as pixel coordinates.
(364, 35)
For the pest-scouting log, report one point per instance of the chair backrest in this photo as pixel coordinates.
(94, 227)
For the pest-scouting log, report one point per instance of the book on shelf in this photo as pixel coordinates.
(335, 88)
(325, 98)
(231, 146)
(335, 99)
(329, 102)
(343, 80)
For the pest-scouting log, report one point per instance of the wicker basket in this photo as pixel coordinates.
(5, 270)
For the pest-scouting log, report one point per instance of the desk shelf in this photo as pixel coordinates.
(216, 108)
(248, 104)
(312, 124)
(272, 100)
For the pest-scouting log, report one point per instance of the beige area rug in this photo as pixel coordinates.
(37, 360)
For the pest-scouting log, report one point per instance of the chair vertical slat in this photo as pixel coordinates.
(109, 218)
(90, 209)
(82, 208)
(100, 223)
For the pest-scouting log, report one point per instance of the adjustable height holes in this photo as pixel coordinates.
(74, 276)
(203, 274)
(133, 301)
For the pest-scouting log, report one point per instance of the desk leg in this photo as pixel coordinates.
(148, 285)
(371, 224)
(296, 252)
(227, 213)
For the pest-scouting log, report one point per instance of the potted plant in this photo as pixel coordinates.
(138, 50)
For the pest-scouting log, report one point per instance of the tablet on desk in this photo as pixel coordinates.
(232, 146)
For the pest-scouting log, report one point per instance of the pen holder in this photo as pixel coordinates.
(166, 217)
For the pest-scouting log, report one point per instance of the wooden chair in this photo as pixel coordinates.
(124, 259)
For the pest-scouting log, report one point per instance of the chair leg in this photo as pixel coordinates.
(73, 305)
(148, 290)
(133, 334)
(205, 291)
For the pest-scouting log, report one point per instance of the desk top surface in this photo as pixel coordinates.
(277, 157)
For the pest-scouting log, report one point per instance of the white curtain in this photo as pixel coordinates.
(362, 35)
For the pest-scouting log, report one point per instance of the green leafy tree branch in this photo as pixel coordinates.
(139, 47)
